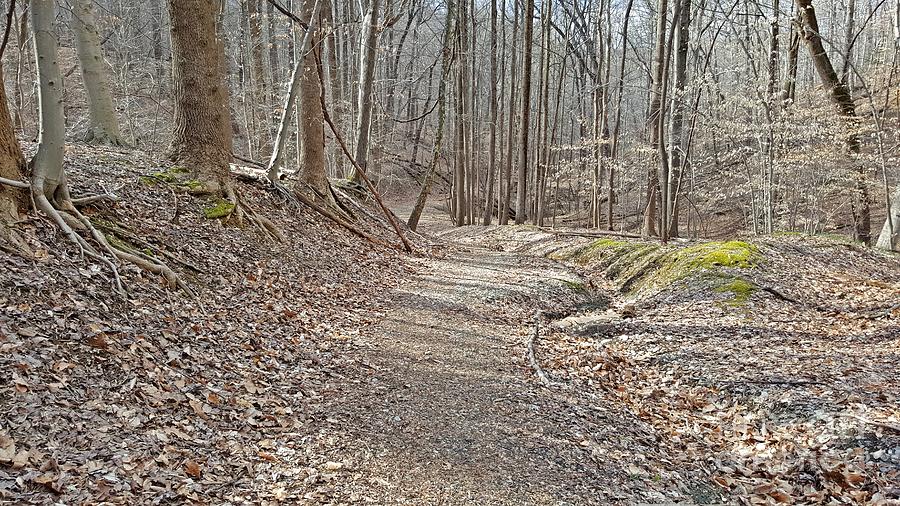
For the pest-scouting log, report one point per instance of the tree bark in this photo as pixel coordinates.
(526, 112)
(447, 52)
(678, 161)
(492, 155)
(368, 54)
(104, 126)
(511, 132)
(312, 119)
(13, 200)
(653, 182)
(889, 238)
(48, 178)
(201, 140)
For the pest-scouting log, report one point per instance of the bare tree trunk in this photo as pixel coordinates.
(678, 160)
(419, 206)
(460, 192)
(13, 200)
(492, 156)
(526, 112)
(653, 182)
(259, 90)
(544, 120)
(789, 87)
(104, 127)
(48, 177)
(312, 119)
(368, 54)
(840, 96)
(201, 140)
(618, 128)
(334, 76)
(299, 86)
(274, 65)
(511, 132)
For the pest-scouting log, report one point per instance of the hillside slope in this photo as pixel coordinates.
(157, 396)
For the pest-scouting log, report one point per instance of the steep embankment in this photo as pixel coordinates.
(157, 396)
(769, 364)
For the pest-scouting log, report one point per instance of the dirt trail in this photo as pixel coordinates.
(445, 409)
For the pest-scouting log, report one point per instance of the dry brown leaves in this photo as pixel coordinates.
(777, 402)
(160, 398)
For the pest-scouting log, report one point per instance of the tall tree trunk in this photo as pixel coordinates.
(48, 177)
(618, 128)
(274, 65)
(259, 89)
(312, 119)
(543, 161)
(511, 132)
(334, 77)
(526, 112)
(676, 167)
(492, 156)
(201, 140)
(368, 54)
(789, 87)
(653, 116)
(447, 52)
(460, 192)
(104, 126)
(839, 94)
(299, 86)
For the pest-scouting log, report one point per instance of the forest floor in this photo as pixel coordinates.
(328, 370)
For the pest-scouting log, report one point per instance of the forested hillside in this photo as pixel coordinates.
(449, 251)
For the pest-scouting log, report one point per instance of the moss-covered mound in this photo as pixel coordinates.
(640, 268)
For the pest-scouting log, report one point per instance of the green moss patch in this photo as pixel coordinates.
(220, 209)
(740, 290)
(175, 176)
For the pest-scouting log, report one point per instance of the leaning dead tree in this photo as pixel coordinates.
(839, 93)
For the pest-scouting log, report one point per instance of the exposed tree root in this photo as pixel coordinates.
(243, 213)
(66, 217)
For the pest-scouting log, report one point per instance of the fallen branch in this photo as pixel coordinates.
(249, 160)
(589, 233)
(532, 342)
(883, 425)
(359, 170)
(335, 218)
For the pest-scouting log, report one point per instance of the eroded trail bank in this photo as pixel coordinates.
(444, 408)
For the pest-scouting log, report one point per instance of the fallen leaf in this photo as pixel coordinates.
(192, 468)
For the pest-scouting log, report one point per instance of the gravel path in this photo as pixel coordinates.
(445, 410)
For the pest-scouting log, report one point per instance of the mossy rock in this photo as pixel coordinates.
(639, 267)
(220, 209)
